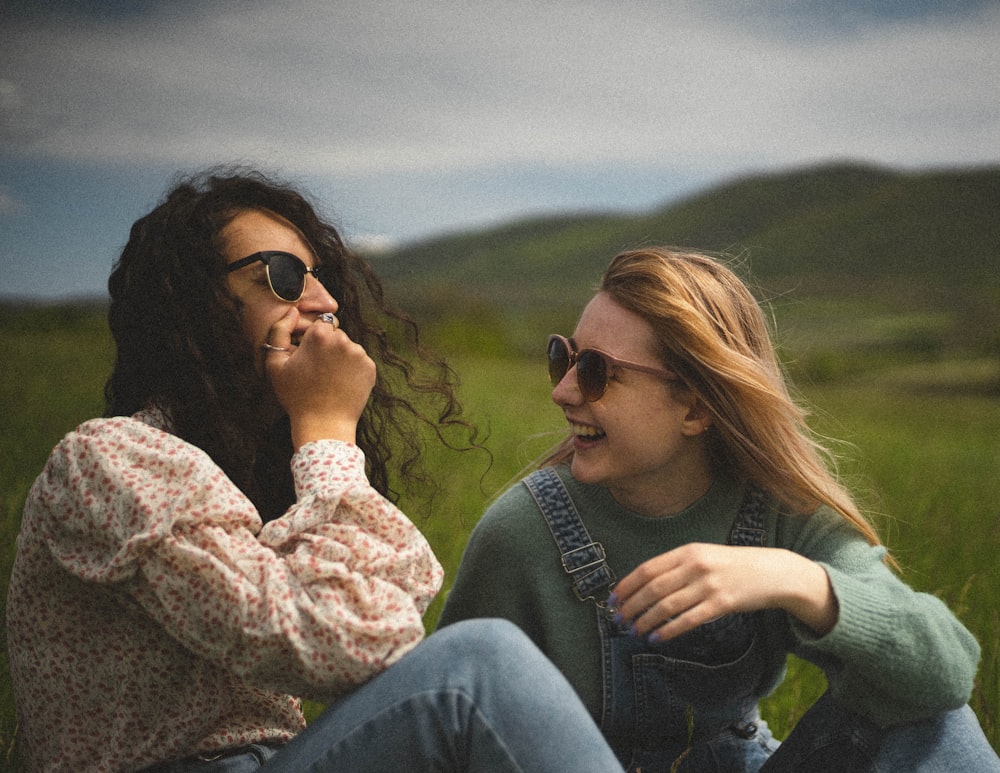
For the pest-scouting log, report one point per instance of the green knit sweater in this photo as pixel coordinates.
(894, 655)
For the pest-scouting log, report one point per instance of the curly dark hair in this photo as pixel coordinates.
(181, 347)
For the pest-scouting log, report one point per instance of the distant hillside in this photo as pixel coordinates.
(817, 226)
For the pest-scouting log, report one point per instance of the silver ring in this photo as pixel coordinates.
(269, 348)
(330, 318)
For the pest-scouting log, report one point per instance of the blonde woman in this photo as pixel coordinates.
(687, 536)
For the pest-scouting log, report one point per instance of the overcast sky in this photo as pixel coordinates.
(409, 118)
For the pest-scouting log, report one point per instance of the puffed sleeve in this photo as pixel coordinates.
(895, 654)
(312, 604)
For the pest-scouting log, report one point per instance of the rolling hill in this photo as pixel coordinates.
(832, 226)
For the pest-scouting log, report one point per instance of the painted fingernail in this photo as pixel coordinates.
(613, 599)
(618, 618)
(633, 631)
(653, 637)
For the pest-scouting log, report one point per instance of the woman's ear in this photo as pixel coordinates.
(698, 418)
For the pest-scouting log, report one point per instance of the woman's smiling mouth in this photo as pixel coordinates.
(587, 432)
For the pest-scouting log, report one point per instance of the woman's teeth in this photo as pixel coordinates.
(587, 432)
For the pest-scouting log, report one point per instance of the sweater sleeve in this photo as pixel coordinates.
(895, 654)
(509, 569)
(488, 583)
(311, 604)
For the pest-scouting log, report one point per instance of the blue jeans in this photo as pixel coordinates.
(829, 738)
(475, 696)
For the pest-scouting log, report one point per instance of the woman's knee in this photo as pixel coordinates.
(490, 651)
(488, 642)
(481, 636)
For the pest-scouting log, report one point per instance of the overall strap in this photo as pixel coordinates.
(748, 528)
(583, 559)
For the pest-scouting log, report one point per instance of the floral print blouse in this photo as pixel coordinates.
(151, 615)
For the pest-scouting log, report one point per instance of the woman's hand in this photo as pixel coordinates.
(696, 583)
(323, 384)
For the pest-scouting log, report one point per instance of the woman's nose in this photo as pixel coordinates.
(567, 391)
(315, 297)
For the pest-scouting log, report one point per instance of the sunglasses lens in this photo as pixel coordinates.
(558, 360)
(287, 274)
(592, 375)
(328, 278)
(591, 369)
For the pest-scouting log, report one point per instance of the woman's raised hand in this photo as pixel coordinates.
(678, 591)
(323, 383)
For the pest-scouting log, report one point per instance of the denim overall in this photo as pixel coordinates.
(685, 704)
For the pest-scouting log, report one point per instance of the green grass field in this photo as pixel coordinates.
(922, 449)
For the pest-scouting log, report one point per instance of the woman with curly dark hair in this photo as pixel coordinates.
(180, 343)
(224, 542)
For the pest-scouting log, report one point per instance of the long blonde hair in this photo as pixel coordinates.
(712, 333)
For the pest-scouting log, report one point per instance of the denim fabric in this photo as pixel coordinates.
(831, 739)
(689, 704)
(583, 559)
(685, 704)
(245, 760)
(476, 696)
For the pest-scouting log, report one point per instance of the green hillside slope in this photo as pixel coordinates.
(810, 226)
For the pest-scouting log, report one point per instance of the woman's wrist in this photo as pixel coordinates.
(310, 429)
(810, 597)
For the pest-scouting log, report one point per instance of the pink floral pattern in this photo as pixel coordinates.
(152, 616)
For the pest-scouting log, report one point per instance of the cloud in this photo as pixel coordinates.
(409, 119)
(401, 87)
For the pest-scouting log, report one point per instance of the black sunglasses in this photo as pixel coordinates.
(593, 367)
(286, 274)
